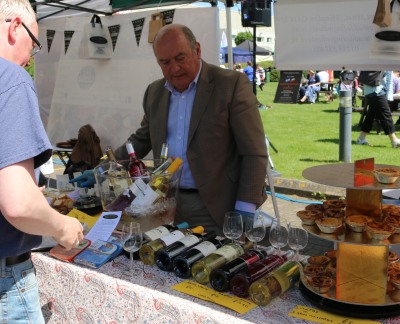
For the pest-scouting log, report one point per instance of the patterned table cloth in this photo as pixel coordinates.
(70, 293)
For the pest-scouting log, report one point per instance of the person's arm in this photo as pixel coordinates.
(24, 206)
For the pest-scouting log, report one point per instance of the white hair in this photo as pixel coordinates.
(10, 9)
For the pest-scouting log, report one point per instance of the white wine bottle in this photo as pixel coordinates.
(118, 175)
(158, 186)
(202, 269)
(148, 251)
(263, 290)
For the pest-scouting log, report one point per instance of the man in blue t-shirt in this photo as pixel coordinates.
(25, 214)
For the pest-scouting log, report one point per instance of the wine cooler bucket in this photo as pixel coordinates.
(115, 195)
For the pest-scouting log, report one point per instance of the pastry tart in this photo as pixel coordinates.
(394, 221)
(321, 284)
(393, 256)
(379, 230)
(334, 204)
(335, 212)
(318, 260)
(357, 223)
(328, 225)
(308, 217)
(315, 207)
(312, 270)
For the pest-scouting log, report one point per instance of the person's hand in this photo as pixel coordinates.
(71, 234)
(85, 180)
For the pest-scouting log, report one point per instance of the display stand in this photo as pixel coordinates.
(362, 262)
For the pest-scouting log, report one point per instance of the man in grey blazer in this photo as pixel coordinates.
(217, 131)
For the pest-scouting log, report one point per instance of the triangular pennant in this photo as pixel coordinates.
(50, 36)
(168, 16)
(114, 32)
(138, 28)
(67, 38)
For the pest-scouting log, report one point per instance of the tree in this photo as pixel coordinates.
(242, 36)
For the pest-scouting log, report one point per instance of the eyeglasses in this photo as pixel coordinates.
(37, 47)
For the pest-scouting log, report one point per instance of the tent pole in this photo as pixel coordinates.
(254, 60)
(229, 36)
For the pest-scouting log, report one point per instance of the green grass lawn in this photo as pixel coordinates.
(307, 135)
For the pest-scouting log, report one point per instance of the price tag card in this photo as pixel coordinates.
(197, 290)
(364, 172)
(318, 316)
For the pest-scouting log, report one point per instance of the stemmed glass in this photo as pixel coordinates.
(132, 239)
(278, 235)
(233, 225)
(297, 239)
(255, 228)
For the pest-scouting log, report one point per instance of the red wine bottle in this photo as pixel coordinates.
(220, 277)
(182, 264)
(136, 168)
(240, 283)
(165, 257)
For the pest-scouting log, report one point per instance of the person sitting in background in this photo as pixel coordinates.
(238, 67)
(324, 79)
(309, 92)
(249, 71)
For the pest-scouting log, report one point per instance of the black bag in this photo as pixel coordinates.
(371, 78)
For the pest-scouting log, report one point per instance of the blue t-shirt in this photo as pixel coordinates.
(22, 137)
(249, 72)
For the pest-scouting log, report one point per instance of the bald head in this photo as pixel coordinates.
(178, 54)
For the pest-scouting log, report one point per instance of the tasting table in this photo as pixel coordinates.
(71, 293)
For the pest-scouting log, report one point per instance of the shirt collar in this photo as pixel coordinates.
(192, 84)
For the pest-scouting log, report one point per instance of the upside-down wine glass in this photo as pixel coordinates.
(132, 239)
(297, 239)
(255, 228)
(278, 235)
(233, 225)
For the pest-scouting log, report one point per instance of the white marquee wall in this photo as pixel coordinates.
(74, 91)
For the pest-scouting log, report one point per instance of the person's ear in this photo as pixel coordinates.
(15, 23)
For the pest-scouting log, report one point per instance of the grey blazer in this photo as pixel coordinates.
(226, 147)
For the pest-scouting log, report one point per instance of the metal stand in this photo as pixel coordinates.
(272, 189)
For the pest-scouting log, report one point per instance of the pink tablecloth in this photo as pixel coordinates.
(74, 294)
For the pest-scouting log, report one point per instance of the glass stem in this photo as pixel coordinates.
(131, 257)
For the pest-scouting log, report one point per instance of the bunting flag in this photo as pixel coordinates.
(67, 38)
(50, 36)
(114, 32)
(138, 28)
(168, 16)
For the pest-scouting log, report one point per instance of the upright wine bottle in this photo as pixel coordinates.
(263, 290)
(118, 175)
(165, 257)
(182, 264)
(158, 232)
(136, 168)
(220, 277)
(240, 283)
(164, 152)
(201, 269)
(147, 251)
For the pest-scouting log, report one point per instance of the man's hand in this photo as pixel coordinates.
(85, 180)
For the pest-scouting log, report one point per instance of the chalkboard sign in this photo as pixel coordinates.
(288, 87)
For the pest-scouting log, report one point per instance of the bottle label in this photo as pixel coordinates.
(190, 240)
(206, 248)
(137, 187)
(156, 233)
(229, 251)
(252, 257)
(172, 237)
(148, 197)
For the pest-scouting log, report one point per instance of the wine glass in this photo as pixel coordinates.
(233, 225)
(255, 228)
(278, 235)
(132, 239)
(297, 239)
